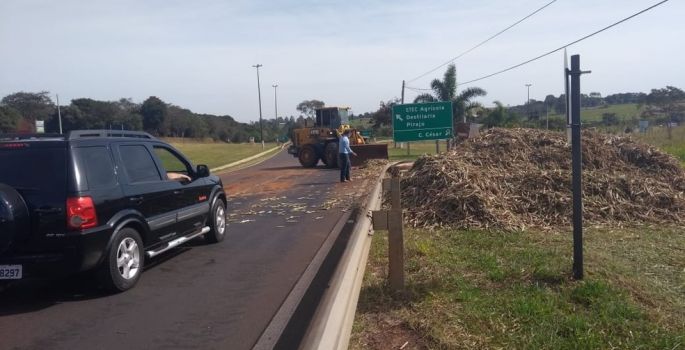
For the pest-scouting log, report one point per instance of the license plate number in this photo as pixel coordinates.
(10, 272)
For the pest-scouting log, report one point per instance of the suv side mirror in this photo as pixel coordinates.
(202, 170)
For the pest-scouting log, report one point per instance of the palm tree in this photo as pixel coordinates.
(446, 89)
(496, 117)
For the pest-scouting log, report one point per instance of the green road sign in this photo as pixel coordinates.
(422, 121)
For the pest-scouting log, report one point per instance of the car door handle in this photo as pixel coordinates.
(136, 200)
(178, 191)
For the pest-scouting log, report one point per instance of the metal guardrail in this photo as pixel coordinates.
(331, 326)
(288, 325)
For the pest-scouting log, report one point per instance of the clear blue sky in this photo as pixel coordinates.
(198, 54)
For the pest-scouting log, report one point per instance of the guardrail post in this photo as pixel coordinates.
(396, 237)
(392, 220)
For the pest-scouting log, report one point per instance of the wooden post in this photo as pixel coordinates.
(395, 195)
(437, 146)
(392, 221)
(408, 147)
(396, 238)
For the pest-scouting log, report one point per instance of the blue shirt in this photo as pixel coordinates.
(344, 146)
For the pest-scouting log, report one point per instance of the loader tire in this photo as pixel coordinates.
(330, 155)
(308, 157)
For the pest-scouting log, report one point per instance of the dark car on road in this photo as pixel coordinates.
(100, 200)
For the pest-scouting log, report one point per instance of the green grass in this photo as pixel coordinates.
(218, 154)
(625, 112)
(416, 149)
(473, 289)
(659, 136)
(361, 123)
(676, 150)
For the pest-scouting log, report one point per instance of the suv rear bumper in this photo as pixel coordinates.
(70, 254)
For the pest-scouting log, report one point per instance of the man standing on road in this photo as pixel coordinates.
(345, 151)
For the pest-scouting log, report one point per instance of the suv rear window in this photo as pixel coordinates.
(34, 169)
(98, 166)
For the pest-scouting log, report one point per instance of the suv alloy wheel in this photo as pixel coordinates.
(124, 261)
(217, 222)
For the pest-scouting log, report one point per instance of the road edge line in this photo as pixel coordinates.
(331, 326)
(245, 160)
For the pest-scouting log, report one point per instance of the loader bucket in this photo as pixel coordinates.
(369, 151)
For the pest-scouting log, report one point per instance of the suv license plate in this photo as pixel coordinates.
(10, 272)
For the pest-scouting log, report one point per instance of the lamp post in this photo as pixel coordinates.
(275, 104)
(259, 93)
(275, 100)
(59, 115)
(528, 101)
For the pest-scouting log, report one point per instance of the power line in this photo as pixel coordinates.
(482, 42)
(417, 89)
(565, 46)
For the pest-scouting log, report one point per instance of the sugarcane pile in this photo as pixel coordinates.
(513, 179)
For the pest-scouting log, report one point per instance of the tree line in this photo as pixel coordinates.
(659, 105)
(19, 112)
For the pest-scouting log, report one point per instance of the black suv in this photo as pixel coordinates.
(100, 200)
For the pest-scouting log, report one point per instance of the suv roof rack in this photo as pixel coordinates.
(31, 136)
(75, 134)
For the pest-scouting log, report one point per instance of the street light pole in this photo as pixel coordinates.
(275, 102)
(528, 101)
(59, 115)
(259, 93)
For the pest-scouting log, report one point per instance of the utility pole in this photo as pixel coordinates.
(567, 98)
(259, 93)
(402, 91)
(403, 84)
(275, 100)
(547, 115)
(393, 118)
(275, 104)
(528, 100)
(59, 115)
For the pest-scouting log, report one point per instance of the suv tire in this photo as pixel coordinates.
(217, 222)
(14, 216)
(123, 263)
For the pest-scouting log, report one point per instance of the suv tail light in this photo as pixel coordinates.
(81, 213)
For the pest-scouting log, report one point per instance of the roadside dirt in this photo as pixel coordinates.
(354, 193)
(390, 333)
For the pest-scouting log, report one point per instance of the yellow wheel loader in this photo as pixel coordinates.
(320, 142)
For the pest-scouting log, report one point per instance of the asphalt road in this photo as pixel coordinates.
(197, 296)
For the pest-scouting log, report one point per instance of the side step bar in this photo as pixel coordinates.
(176, 242)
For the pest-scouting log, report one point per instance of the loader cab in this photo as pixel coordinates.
(332, 117)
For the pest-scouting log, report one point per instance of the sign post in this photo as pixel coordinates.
(576, 166)
(422, 121)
